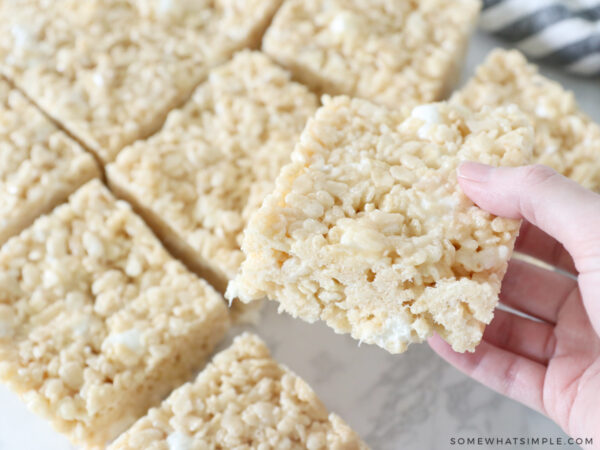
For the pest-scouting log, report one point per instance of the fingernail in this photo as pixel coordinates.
(473, 171)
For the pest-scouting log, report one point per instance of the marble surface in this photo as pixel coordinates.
(410, 401)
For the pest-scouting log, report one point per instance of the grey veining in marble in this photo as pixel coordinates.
(410, 401)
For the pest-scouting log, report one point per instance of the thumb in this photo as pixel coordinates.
(553, 203)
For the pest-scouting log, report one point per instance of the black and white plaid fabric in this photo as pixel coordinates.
(560, 32)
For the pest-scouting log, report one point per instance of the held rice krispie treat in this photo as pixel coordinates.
(39, 165)
(389, 51)
(97, 322)
(242, 400)
(110, 70)
(566, 139)
(368, 229)
(200, 178)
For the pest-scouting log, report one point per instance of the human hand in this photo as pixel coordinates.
(551, 365)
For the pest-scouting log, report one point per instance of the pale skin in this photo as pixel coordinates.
(553, 364)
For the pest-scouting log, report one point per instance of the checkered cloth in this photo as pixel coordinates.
(560, 32)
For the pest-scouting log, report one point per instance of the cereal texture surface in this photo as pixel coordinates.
(110, 70)
(201, 177)
(566, 139)
(244, 400)
(391, 52)
(97, 322)
(39, 165)
(368, 229)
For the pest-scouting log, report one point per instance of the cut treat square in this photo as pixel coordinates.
(397, 53)
(243, 399)
(39, 165)
(200, 178)
(110, 70)
(368, 229)
(566, 139)
(97, 322)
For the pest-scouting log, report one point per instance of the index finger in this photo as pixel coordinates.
(555, 204)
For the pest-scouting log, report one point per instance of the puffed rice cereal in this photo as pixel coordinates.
(368, 230)
(110, 70)
(201, 177)
(244, 400)
(566, 139)
(39, 165)
(397, 53)
(97, 322)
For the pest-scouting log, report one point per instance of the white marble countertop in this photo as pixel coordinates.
(410, 401)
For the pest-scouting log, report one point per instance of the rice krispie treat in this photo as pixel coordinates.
(200, 178)
(566, 139)
(243, 399)
(397, 53)
(97, 322)
(39, 165)
(110, 70)
(368, 229)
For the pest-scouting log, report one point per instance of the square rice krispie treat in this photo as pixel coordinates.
(200, 178)
(39, 165)
(394, 52)
(566, 139)
(243, 399)
(110, 70)
(97, 322)
(368, 229)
